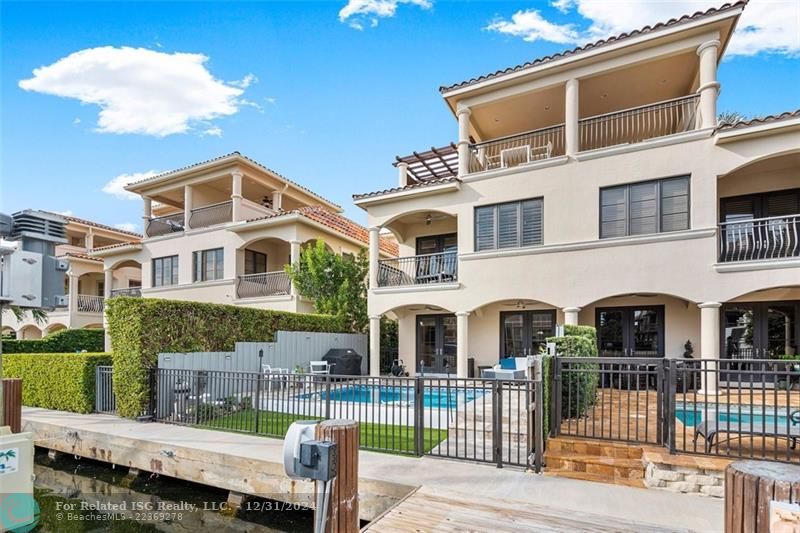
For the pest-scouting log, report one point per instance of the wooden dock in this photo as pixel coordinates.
(425, 510)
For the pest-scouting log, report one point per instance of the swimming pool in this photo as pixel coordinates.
(692, 414)
(431, 397)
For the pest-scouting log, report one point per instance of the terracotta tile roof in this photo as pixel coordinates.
(81, 256)
(758, 120)
(338, 223)
(86, 222)
(228, 156)
(592, 46)
(421, 184)
(111, 246)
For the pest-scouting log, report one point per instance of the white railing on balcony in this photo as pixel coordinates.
(134, 292)
(89, 303)
(418, 270)
(211, 215)
(263, 284)
(638, 124)
(517, 150)
(759, 239)
(165, 225)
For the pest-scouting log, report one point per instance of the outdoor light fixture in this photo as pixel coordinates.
(428, 219)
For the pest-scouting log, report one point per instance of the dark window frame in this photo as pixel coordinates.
(658, 201)
(527, 315)
(440, 240)
(256, 255)
(173, 269)
(759, 200)
(199, 273)
(519, 231)
(627, 324)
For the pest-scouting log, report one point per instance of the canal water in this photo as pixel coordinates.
(80, 495)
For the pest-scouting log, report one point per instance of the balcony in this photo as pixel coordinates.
(211, 215)
(638, 124)
(133, 292)
(165, 225)
(263, 284)
(759, 239)
(514, 150)
(418, 270)
(89, 303)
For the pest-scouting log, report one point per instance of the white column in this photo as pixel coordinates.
(188, 205)
(571, 117)
(571, 315)
(709, 344)
(236, 194)
(709, 86)
(374, 255)
(72, 304)
(294, 257)
(108, 281)
(375, 345)
(462, 343)
(148, 212)
(402, 174)
(463, 114)
(90, 239)
(277, 200)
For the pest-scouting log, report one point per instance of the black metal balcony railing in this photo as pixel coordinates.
(211, 215)
(418, 270)
(263, 284)
(639, 124)
(759, 239)
(134, 292)
(165, 225)
(517, 150)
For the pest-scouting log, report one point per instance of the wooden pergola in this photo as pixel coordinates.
(436, 163)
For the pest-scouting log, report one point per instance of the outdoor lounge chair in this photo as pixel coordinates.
(508, 368)
(710, 430)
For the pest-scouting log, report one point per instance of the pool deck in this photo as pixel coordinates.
(253, 465)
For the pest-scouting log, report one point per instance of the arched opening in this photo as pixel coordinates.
(91, 288)
(760, 210)
(127, 278)
(428, 250)
(29, 332)
(9, 332)
(261, 268)
(52, 328)
(426, 338)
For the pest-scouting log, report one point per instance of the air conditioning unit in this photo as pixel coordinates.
(61, 301)
(62, 265)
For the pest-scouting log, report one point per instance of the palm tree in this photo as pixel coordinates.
(730, 117)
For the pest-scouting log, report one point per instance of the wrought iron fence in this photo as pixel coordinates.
(639, 124)
(211, 215)
(104, 399)
(263, 284)
(760, 238)
(418, 269)
(519, 149)
(470, 419)
(165, 225)
(90, 303)
(134, 292)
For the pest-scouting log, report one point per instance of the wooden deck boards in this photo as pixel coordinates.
(427, 511)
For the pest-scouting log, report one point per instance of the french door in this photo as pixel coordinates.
(759, 330)
(525, 332)
(436, 344)
(630, 331)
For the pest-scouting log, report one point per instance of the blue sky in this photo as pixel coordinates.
(324, 96)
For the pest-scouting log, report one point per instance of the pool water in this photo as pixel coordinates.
(432, 396)
(692, 414)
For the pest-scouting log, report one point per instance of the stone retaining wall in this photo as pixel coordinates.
(687, 479)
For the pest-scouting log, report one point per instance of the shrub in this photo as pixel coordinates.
(579, 385)
(141, 328)
(63, 381)
(64, 341)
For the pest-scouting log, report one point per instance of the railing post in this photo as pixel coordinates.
(497, 423)
(419, 418)
(538, 415)
(327, 396)
(555, 398)
(257, 403)
(670, 410)
(661, 426)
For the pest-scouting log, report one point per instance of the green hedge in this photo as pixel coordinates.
(64, 341)
(63, 381)
(579, 385)
(141, 328)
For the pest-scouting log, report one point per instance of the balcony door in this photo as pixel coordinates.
(760, 330)
(525, 332)
(437, 257)
(436, 344)
(760, 226)
(630, 331)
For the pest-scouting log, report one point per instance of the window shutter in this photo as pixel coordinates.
(675, 204)
(484, 228)
(783, 204)
(508, 225)
(157, 273)
(532, 222)
(174, 262)
(643, 208)
(613, 212)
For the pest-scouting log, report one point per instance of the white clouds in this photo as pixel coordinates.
(116, 187)
(357, 12)
(771, 26)
(127, 226)
(245, 82)
(139, 90)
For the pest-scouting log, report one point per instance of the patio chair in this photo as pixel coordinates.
(508, 368)
(711, 429)
(278, 376)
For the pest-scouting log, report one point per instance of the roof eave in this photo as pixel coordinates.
(734, 134)
(366, 201)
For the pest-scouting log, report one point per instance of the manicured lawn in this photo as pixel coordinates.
(377, 437)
